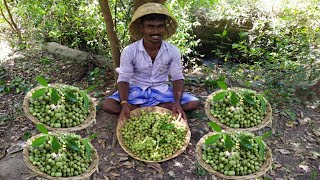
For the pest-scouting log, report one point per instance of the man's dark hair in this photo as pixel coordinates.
(151, 17)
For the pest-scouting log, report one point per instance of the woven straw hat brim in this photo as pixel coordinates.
(151, 8)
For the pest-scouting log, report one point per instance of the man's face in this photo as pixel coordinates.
(153, 30)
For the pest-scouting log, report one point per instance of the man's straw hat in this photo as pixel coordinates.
(151, 8)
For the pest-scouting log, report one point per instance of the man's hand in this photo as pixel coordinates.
(177, 110)
(125, 111)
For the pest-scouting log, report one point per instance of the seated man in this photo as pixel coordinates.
(146, 64)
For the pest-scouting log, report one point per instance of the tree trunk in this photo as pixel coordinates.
(316, 88)
(12, 22)
(138, 3)
(112, 36)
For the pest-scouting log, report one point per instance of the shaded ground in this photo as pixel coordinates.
(294, 143)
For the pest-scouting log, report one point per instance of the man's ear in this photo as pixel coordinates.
(141, 28)
(140, 25)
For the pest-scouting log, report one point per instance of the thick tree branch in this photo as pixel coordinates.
(112, 36)
(11, 19)
(4, 17)
(137, 3)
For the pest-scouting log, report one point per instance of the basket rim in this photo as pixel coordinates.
(264, 168)
(87, 122)
(266, 120)
(157, 109)
(90, 170)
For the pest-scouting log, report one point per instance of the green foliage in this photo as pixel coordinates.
(16, 86)
(183, 39)
(77, 23)
(200, 170)
(27, 135)
(277, 52)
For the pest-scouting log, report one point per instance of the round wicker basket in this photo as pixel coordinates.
(137, 112)
(90, 118)
(265, 167)
(266, 120)
(86, 175)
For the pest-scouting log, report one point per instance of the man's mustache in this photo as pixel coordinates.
(155, 34)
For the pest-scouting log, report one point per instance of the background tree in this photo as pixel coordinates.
(10, 21)
(113, 39)
(138, 3)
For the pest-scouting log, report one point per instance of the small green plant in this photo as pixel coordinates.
(16, 86)
(212, 83)
(200, 170)
(45, 61)
(94, 74)
(314, 175)
(26, 136)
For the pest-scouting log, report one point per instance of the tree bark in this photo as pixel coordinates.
(13, 23)
(138, 3)
(4, 17)
(112, 36)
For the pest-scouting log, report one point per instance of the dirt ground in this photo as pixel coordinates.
(295, 142)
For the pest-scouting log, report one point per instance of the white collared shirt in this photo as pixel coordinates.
(137, 69)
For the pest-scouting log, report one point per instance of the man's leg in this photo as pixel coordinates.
(190, 106)
(112, 106)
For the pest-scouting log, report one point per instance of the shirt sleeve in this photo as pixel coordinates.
(175, 68)
(125, 70)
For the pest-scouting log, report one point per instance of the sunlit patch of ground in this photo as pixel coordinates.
(5, 50)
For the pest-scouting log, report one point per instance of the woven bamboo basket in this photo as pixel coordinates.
(90, 118)
(264, 168)
(266, 120)
(86, 175)
(137, 112)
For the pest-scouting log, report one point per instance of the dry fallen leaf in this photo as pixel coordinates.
(155, 166)
(316, 132)
(141, 169)
(102, 143)
(304, 167)
(24, 129)
(16, 147)
(304, 121)
(171, 173)
(114, 174)
(290, 124)
(109, 169)
(178, 164)
(127, 164)
(277, 165)
(213, 177)
(301, 114)
(315, 155)
(123, 159)
(283, 151)
(122, 154)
